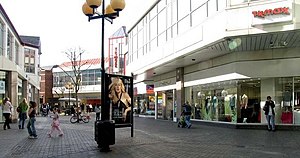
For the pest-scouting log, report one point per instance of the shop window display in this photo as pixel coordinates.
(239, 101)
(249, 101)
(3, 90)
(214, 102)
(297, 100)
(283, 100)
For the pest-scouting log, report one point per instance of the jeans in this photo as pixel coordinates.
(188, 120)
(98, 116)
(271, 122)
(31, 127)
(7, 120)
(22, 119)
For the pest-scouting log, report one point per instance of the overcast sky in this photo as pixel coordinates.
(62, 25)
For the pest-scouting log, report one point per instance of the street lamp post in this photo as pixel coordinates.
(70, 87)
(111, 12)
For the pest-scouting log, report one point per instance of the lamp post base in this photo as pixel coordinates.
(104, 134)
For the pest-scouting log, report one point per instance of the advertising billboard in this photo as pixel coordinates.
(120, 93)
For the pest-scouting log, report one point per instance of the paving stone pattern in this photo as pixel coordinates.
(152, 139)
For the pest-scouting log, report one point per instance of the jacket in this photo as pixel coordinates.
(267, 105)
(23, 106)
(7, 107)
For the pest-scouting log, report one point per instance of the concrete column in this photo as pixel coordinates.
(155, 108)
(13, 92)
(267, 89)
(25, 89)
(174, 106)
(180, 93)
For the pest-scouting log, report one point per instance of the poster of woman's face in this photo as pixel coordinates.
(120, 93)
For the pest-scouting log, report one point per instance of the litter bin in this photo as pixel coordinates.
(104, 133)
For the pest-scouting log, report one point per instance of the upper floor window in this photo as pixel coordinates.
(1, 38)
(17, 50)
(9, 45)
(29, 60)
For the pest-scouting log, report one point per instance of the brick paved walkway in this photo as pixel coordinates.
(152, 139)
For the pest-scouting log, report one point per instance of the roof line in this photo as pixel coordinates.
(144, 15)
(10, 23)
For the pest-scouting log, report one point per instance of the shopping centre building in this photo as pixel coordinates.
(19, 64)
(223, 56)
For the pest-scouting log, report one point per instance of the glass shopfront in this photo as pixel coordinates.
(144, 104)
(3, 90)
(288, 100)
(214, 101)
(240, 101)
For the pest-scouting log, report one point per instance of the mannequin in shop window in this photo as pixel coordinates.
(287, 98)
(120, 99)
(232, 102)
(207, 104)
(214, 106)
(244, 105)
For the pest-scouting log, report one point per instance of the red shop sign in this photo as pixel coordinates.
(267, 12)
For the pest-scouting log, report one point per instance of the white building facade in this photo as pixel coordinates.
(19, 65)
(223, 56)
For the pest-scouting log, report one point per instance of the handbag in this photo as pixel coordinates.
(265, 108)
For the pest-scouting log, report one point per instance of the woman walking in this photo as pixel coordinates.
(31, 122)
(7, 111)
(23, 107)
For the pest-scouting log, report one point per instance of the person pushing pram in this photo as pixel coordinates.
(181, 122)
(185, 116)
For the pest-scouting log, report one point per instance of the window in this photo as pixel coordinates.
(153, 12)
(161, 5)
(183, 25)
(1, 37)
(162, 38)
(183, 8)
(162, 21)
(29, 60)
(9, 45)
(212, 7)
(199, 15)
(174, 12)
(198, 3)
(17, 52)
(153, 28)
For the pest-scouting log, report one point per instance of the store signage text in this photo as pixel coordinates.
(267, 12)
(116, 58)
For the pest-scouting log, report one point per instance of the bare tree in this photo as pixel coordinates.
(74, 55)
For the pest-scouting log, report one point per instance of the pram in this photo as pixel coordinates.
(181, 122)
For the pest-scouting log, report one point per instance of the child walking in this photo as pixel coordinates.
(55, 124)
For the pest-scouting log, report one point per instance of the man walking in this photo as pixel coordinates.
(270, 113)
(187, 110)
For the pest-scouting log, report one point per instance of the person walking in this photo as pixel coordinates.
(23, 107)
(270, 114)
(55, 125)
(7, 112)
(97, 110)
(31, 123)
(187, 110)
